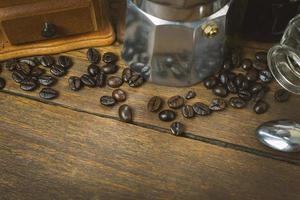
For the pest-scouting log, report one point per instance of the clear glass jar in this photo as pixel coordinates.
(284, 59)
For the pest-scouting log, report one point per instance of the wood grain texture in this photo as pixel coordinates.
(49, 152)
(235, 128)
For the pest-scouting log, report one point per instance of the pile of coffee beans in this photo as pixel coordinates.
(240, 82)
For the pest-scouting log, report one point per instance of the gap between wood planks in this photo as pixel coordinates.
(191, 136)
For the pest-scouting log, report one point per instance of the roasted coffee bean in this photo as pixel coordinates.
(93, 70)
(127, 74)
(227, 65)
(18, 76)
(108, 101)
(246, 64)
(101, 79)
(231, 87)
(136, 80)
(75, 83)
(262, 56)
(239, 80)
(218, 105)
(155, 104)
(93, 56)
(25, 68)
(236, 58)
(259, 96)
(48, 93)
(261, 107)
(201, 109)
(237, 102)
(37, 71)
(88, 81)
(220, 91)
(28, 85)
(188, 111)
(29, 61)
(211, 82)
(259, 65)
(119, 95)
(245, 95)
(252, 75)
(167, 115)
(114, 82)
(190, 95)
(2, 83)
(110, 68)
(46, 61)
(231, 75)
(282, 95)
(11, 64)
(110, 57)
(256, 87)
(58, 70)
(125, 113)
(223, 78)
(65, 62)
(265, 76)
(177, 129)
(46, 80)
(176, 102)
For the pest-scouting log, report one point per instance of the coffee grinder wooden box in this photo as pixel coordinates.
(37, 27)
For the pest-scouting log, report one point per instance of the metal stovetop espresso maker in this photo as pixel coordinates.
(175, 42)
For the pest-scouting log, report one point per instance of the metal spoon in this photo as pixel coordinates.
(281, 135)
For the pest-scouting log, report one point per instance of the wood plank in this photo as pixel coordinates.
(50, 152)
(232, 126)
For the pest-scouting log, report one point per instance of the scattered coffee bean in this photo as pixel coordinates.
(223, 78)
(246, 64)
(239, 79)
(260, 107)
(28, 85)
(46, 80)
(88, 81)
(228, 65)
(110, 68)
(125, 113)
(252, 75)
(190, 95)
(46, 61)
(107, 101)
(75, 83)
(110, 57)
(177, 129)
(119, 95)
(48, 93)
(101, 79)
(259, 96)
(262, 56)
(176, 102)
(259, 65)
(58, 70)
(18, 76)
(231, 87)
(218, 105)
(37, 71)
(237, 102)
(220, 91)
(167, 115)
(201, 109)
(65, 62)
(93, 56)
(282, 95)
(256, 87)
(2, 83)
(25, 68)
(188, 111)
(265, 76)
(136, 80)
(127, 74)
(245, 95)
(114, 82)
(211, 82)
(28, 61)
(231, 76)
(155, 104)
(93, 70)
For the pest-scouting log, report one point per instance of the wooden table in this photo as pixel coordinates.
(73, 148)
